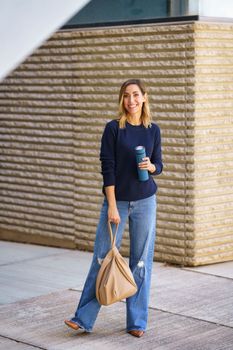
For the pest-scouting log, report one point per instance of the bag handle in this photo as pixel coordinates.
(113, 240)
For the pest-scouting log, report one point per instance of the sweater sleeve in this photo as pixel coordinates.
(107, 154)
(156, 157)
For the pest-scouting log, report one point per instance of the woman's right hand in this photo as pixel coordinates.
(113, 215)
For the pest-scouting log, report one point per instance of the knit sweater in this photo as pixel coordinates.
(118, 160)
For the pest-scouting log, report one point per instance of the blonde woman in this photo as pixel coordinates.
(126, 198)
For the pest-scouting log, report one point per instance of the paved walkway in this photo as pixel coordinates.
(190, 308)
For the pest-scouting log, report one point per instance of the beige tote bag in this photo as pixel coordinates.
(114, 280)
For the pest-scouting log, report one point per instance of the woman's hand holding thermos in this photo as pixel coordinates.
(146, 165)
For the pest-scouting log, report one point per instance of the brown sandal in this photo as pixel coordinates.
(136, 333)
(72, 325)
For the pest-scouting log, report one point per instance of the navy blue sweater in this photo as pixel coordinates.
(118, 160)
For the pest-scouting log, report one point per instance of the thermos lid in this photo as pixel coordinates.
(139, 148)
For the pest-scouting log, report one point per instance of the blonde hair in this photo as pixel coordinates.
(145, 116)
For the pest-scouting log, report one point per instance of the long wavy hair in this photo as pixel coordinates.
(145, 116)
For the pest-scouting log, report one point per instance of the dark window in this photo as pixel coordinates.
(109, 12)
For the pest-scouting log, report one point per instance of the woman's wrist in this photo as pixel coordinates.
(112, 205)
(152, 168)
(110, 194)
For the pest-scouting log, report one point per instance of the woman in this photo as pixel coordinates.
(126, 198)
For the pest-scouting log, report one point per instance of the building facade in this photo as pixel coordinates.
(53, 110)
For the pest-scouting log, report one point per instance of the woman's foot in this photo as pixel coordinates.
(136, 333)
(71, 324)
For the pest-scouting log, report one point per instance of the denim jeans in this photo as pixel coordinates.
(142, 217)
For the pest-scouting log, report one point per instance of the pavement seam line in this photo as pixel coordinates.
(172, 313)
(206, 273)
(192, 317)
(23, 342)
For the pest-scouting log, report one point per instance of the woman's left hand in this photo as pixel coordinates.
(147, 165)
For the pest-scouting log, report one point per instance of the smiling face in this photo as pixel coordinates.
(133, 100)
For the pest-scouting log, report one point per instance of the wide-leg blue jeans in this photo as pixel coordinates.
(142, 218)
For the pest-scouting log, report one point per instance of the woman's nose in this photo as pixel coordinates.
(131, 98)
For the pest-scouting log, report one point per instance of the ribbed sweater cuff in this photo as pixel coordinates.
(109, 179)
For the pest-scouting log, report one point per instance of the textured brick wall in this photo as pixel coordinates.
(213, 143)
(53, 111)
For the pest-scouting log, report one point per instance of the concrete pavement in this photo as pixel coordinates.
(190, 308)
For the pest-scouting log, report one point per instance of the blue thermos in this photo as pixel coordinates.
(141, 153)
